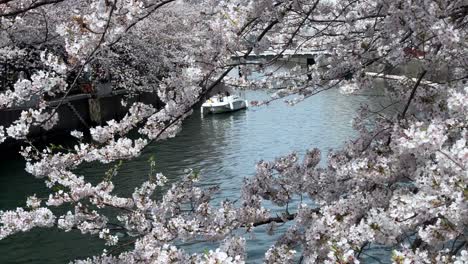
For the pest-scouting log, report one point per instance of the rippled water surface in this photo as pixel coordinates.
(223, 147)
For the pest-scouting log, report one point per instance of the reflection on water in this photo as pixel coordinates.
(223, 147)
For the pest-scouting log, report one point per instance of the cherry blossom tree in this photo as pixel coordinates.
(401, 183)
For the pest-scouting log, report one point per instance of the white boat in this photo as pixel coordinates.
(222, 104)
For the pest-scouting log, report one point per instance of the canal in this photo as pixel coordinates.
(225, 148)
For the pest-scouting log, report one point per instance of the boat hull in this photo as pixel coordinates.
(223, 108)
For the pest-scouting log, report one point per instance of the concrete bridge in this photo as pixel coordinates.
(299, 56)
(306, 57)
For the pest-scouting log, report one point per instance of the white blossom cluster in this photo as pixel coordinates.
(401, 183)
(32, 118)
(40, 83)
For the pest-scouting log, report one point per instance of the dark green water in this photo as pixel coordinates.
(223, 147)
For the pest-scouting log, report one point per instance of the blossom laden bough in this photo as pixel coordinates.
(401, 183)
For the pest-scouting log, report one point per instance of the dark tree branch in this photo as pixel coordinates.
(277, 219)
(280, 219)
(30, 7)
(413, 92)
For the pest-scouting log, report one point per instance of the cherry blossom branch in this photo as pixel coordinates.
(154, 8)
(452, 159)
(413, 92)
(34, 5)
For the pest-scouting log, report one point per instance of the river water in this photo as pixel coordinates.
(225, 148)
